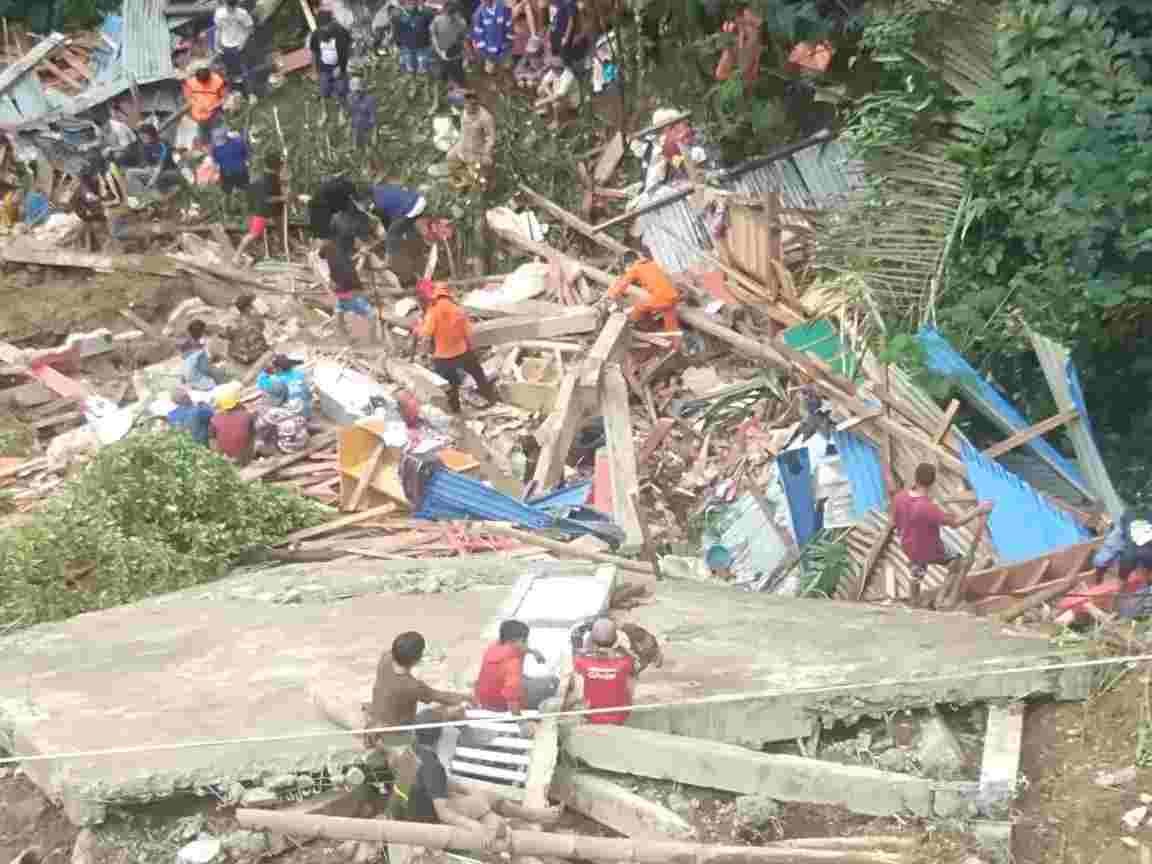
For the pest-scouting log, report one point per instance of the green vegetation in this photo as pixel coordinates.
(155, 512)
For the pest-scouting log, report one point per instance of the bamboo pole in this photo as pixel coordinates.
(544, 844)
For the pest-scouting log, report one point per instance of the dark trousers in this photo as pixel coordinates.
(1131, 559)
(450, 368)
(234, 67)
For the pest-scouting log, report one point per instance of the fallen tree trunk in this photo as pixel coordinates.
(545, 844)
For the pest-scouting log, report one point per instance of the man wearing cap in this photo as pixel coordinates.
(189, 416)
(607, 676)
(230, 429)
(450, 330)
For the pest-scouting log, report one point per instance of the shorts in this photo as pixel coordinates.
(232, 182)
(357, 305)
(257, 225)
(333, 84)
(415, 60)
(451, 70)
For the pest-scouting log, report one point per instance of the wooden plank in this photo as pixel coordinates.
(621, 454)
(1049, 592)
(580, 319)
(612, 339)
(873, 557)
(337, 524)
(371, 466)
(655, 438)
(562, 426)
(40, 52)
(1035, 431)
(271, 466)
(576, 223)
(609, 159)
(946, 421)
(568, 550)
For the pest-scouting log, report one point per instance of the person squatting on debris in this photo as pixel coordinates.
(230, 429)
(286, 370)
(245, 333)
(663, 296)
(190, 417)
(361, 114)
(918, 519)
(280, 425)
(230, 153)
(558, 92)
(204, 94)
(265, 198)
(492, 33)
(502, 684)
(149, 161)
(331, 46)
(606, 673)
(198, 372)
(234, 26)
(397, 693)
(1128, 545)
(450, 330)
(432, 797)
(477, 134)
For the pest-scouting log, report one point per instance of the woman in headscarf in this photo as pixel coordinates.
(280, 421)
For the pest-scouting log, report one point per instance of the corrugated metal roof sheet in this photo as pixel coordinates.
(1023, 525)
(24, 100)
(943, 359)
(861, 462)
(811, 178)
(146, 53)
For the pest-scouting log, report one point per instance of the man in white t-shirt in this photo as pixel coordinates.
(234, 26)
(559, 91)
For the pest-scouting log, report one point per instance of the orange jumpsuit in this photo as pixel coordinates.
(663, 296)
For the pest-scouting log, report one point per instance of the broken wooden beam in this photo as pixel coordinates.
(576, 223)
(565, 550)
(337, 524)
(559, 434)
(612, 339)
(621, 454)
(580, 319)
(541, 843)
(1035, 431)
(271, 466)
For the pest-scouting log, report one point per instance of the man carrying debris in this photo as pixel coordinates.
(335, 195)
(477, 135)
(331, 47)
(231, 426)
(204, 95)
(234, 26)
(398, 206)
(397, 693)
(918, 520)
(502, 684)
(450, 330)
(663, 296)
(607, 675)
(188, 416)
(198, 372)
(265, 198)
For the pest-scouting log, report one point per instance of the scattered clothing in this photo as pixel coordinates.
(192, 418)
(607, 681)
(492, 30)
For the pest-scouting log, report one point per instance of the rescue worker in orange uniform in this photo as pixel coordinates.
(204, 94)
(450, 330)
(663, 296)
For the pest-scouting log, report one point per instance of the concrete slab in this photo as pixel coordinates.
(238, 658)
(234, 659)
(720, 641)
(612, 805)
(1001, 762)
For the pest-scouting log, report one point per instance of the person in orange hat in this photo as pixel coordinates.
(450, 330)
(663, 295)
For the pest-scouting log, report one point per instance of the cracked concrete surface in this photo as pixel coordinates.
(238, 658)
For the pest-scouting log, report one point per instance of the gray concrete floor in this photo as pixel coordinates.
(241, 658)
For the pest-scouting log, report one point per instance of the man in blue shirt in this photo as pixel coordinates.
(230, 153)
(1128, 545)
(492, 32)
(398, 207)
(189, 416)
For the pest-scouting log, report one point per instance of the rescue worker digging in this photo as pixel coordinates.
(663, 296)
(450, 330)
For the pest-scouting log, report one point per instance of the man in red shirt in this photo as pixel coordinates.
(608, 677)
(501, 684)
(918, 520)
(230, 430)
